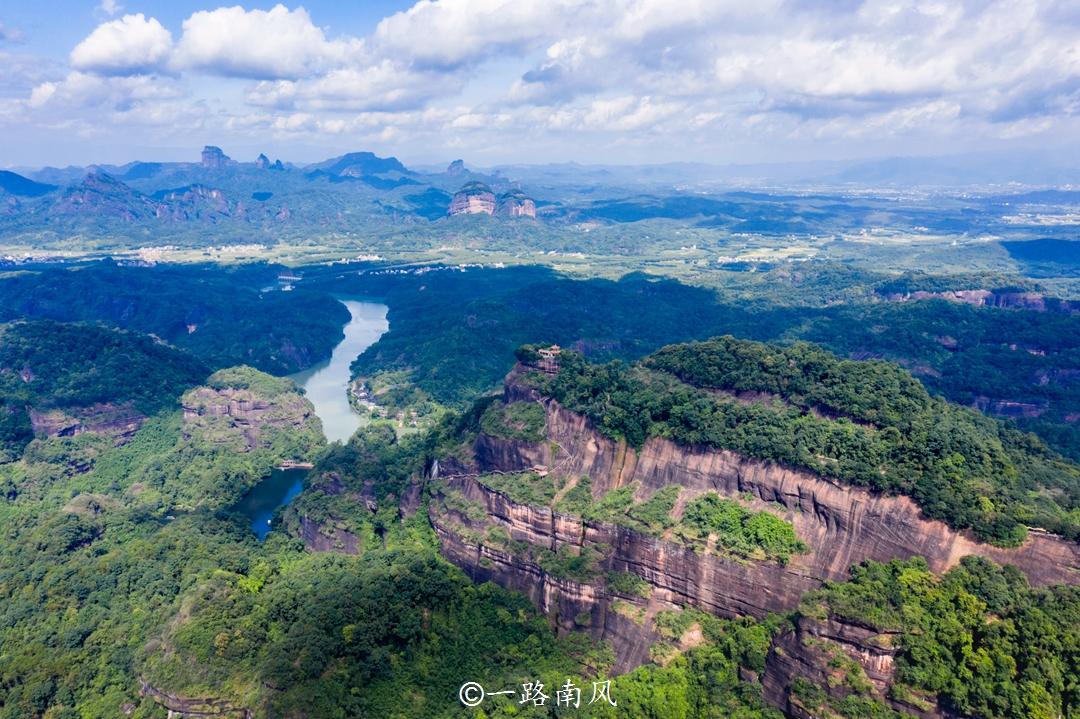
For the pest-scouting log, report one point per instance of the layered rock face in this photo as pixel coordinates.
(181, 707)
(120, 421)
(474, 198)
(1009, 408)
(515, 204)
(841, 526)
(326, 538)
(1033, 301)
(833, 655)
(570, 605)
(240, 416)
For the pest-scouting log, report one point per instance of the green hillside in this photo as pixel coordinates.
(48, 365)
(867, 424)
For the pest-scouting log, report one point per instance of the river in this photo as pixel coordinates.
(326, 385)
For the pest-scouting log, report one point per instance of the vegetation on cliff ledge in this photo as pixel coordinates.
(978, 638)
(866, 424)
(738, 530)
(524, 421)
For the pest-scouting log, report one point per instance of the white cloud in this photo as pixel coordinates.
(366, 88)
(600, 72)
(110, 7)
(134, 44)
(450, 33)
(80, 90)
(260, 44)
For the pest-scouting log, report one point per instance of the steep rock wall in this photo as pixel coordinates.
(810, 651)
(841, 525)
(183, 707)
(121, 421)
(569, 605)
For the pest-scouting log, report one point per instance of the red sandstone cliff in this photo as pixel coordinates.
(841, 525)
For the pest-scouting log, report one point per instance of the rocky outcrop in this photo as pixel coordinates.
(239, 404)
(678, 574)
(120, 421)
(263, 163)
(1022, 300)
(184, 707)
(842, 658)
(213, 158)
(569, 605)
(1010, 408)
(474, 198)
(515, 204)
(456, 168)
(325, 537)
(242, 418)
(841, 525)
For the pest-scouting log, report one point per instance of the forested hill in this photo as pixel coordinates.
(225, 317)
(453, 333)
(49, 366)
(868, 424)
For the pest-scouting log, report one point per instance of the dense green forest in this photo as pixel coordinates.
(47, 365)
(361, 655)
(102, 589)
(978, 638)
(123, 562)
(224, 316)
(880, 428)
(453, 333)
(100, 592)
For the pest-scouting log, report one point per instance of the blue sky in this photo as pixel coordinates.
(52, 28)
(504, 81)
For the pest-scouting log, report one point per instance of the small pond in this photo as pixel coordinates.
(262, 500)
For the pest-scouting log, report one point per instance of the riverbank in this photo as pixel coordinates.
(326, 384)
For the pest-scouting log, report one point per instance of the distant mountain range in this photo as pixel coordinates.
(255, 200)
(360, 194)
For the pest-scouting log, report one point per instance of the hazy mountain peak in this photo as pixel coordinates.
(22, 186)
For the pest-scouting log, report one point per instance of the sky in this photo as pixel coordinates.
(537, 81)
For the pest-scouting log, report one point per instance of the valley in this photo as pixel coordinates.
(590, 359)
(778, 466)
